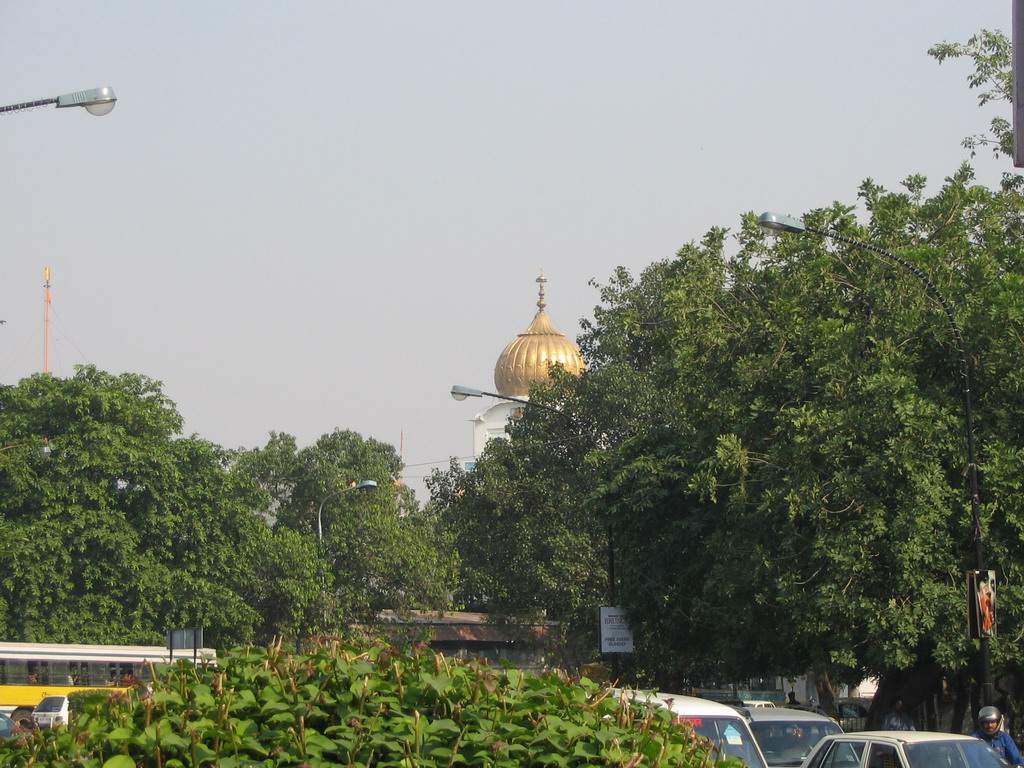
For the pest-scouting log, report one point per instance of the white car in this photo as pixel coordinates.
(786, 736)
(51, 711)
(902, 749)
(723, 726)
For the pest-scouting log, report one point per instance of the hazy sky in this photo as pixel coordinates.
(310, 215)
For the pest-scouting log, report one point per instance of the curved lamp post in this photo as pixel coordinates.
(461, 393)
(43, 451)
(364, 485)
(97, 101)
(780, 223)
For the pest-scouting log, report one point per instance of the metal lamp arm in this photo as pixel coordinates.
(965, 374)
(28, 105)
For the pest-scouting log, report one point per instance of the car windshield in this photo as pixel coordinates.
(952, 754)
(788, 742)
(729, 735)
(50, 704)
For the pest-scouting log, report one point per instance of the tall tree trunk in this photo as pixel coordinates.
(822, 684)
(960, 702)
(915, 686)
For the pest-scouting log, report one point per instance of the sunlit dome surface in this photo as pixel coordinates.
(529, 356)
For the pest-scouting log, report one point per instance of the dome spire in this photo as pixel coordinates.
(529, 356)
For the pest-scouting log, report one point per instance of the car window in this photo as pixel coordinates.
(789, 742)
(729, 735)
(980, 755)
(844, 754)
(883, 756)
(6, 726)
(50, 704)
(952, 754)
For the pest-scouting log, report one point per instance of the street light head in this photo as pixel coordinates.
(777, 222)
(101, 109)
(461, 393)
(364, 485)
(97, 101)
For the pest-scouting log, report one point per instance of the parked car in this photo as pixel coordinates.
(726, 729)
(853, 713)
(786, 736)
(51, 711)
(902, 749)
(748, 702)
(6, 726)
(809, 708)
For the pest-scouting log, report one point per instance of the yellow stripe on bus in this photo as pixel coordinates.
(30, 695)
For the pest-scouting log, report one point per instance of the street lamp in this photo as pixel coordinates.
(364, 485)
(97, 101)
(461, 393)
(44, 450)
(780, 223)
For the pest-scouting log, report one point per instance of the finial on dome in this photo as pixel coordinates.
(528, 357)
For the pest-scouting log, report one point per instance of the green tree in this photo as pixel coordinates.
(376, 548)
(991, 54)
(124, 529)
(285, 584)
(809, 491)
(530, 547)
(779, 445)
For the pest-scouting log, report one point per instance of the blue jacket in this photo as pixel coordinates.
(1004, 745)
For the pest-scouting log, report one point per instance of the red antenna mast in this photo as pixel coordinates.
(46, 320)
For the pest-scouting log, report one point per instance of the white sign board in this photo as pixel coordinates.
(616, 636)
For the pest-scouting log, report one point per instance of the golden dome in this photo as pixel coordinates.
(528, 357)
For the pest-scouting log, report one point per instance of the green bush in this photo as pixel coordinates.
(348, 706)
(78, 700)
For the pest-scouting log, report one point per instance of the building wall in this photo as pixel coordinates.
(491, 423)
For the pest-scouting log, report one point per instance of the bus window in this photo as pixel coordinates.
(38, 672)
(17, 671)
(59, 673)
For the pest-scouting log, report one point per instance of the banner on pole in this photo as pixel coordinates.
(981, 604)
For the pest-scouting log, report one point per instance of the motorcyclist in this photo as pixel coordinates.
(989, 730)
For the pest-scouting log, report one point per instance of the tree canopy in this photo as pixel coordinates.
(378, 549)
(772, 431)
(121, 530)
(118, 528)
